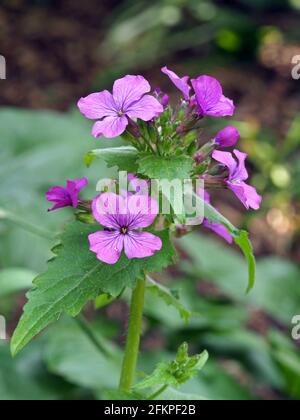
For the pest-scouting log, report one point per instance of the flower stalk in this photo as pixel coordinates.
(133, 337)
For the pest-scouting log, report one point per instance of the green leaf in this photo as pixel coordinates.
(169, 298)
(174, 394)
(13, 280)
(177, 372)
(103, 300)
(123, 157)
(76, 276)
(241, 238)
(169, 168)
(87, 366)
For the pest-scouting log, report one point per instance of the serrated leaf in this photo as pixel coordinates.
(123, 157)
(75, 276)
(169, 168)
(241, 238)
(166, 295)
(176, 372)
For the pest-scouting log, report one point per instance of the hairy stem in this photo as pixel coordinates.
(133, 337)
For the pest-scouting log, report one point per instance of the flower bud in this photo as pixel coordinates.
(227, 137)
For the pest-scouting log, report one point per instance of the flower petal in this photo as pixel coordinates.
(107, 208)
(246, 194)
(146, 108)
(57, 193)
(226, 159)
(60, 196)
(110, 127)
(129, 89)
(219, 230)
(74, 188)
(141, 244)
(98, 105)
(241, 172)
(224, 108)
(181, 83)
(143, 210)
(208, 91)
(107, 245)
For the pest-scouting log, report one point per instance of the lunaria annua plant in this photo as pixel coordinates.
(123, 234)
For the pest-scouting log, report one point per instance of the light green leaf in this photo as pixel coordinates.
(87, 366)
(174, 394)
(177, 372)
(103, 300)
(166, 295)
(123, 157)
(13, 280)
(169, 168)
(76, 276)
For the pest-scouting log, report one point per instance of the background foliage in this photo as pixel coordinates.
(249, 46)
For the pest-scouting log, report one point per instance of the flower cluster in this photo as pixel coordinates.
(145, 119)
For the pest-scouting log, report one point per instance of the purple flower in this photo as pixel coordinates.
(138, 186)
(163, 98)
(123, 217)
(65, 197)
(210, 99)
(128, 100)
(181, 83)
(237, 175)
(227, 137)
(216, 227)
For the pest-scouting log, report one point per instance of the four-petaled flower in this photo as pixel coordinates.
(66, 196)
(182, 83)
(123, 217)
(128, 100)
(237, 176)
(210, 99)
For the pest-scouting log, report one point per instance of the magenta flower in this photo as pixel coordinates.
(237, 175)
(181, 83)
(219, 229)
(123, 217)
(227, 137)
(162, 97)
(128, 100)
(65, 197)
(210, 99)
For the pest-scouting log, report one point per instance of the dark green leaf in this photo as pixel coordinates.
(76, 276)
(168, 168)
(123, 157)
(166, 295)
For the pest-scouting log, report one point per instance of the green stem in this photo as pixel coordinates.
(133, 337)
(148, 143)
(158, 392)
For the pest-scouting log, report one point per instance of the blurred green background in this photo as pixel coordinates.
(58, 51)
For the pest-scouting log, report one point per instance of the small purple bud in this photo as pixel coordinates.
(165, 100)
(227, 137)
